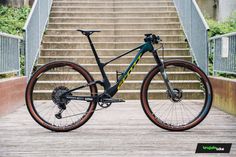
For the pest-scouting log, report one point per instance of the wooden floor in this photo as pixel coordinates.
(121, 130)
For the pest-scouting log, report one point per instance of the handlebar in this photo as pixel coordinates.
(155, 39)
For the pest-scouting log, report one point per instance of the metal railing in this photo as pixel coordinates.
(10, 46)
(224, 53)
(33, 32)
(195, 29)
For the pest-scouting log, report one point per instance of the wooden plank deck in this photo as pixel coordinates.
(121, 130)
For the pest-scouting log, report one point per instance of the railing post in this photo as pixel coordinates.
(18, 57)
(39, 21)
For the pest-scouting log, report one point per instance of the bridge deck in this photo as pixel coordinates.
(121, 130)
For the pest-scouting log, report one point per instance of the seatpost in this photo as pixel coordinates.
(93, 49)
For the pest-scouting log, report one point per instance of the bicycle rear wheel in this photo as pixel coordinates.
(194, 96)
(43, 96)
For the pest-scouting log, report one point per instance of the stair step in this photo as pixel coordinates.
(110, 52)
(106, 0)
(138, 68)
(100, 9)
(111, 4)
(133, 84)
(113, 67)
(129, 94)
(167, 25)
(106, 45)
(134, 76)
(107, 38)
(91, 59)
(163, 31)
(108, 13)
(115, 20)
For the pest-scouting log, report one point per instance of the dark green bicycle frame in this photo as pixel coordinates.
(112, 90)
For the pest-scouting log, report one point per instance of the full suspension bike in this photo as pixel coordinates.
(62, 96)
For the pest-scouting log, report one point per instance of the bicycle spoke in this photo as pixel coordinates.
(183, 110)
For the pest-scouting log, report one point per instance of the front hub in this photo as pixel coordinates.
(178, 95)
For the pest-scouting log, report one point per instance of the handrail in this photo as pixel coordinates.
(201, 15)
(224, 35)
(10, 36)
(223, 48)
(196, 30)
(33, 32)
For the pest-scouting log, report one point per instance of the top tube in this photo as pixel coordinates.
(147, 46)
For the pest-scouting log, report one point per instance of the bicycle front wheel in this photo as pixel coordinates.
(194, 96)
(43, 96)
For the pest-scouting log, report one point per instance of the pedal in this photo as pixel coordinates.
(118, 100)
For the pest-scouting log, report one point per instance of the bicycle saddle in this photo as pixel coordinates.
(87, 32)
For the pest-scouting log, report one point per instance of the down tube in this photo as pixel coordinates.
(112, 91)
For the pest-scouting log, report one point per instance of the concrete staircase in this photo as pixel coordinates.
(123, 24)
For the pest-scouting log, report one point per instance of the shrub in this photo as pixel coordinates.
(12, 20)
(219, 28)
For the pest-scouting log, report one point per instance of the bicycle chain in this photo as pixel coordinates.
(83, 113)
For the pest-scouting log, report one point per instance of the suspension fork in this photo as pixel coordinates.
(160, 65)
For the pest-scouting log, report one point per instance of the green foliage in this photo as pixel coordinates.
(12, 20)
(219, 28)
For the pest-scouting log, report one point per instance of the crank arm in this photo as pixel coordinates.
(82, 98)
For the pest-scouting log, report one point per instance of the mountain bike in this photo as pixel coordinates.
(170, 101)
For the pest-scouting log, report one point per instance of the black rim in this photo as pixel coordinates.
(162, 123)
(60, 127)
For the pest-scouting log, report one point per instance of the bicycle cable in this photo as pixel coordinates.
(162, 50)
(163, 54)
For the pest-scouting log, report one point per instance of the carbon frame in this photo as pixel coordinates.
(113, 90)
(109, 90)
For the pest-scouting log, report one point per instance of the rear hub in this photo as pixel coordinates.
(57, 98)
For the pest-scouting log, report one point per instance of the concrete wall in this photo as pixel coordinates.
(208, 8)
(217, 9)
(224, 91)
(225, 9)
(12, 93)
(15, 3)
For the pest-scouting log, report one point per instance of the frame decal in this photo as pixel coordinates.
(129, 71)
